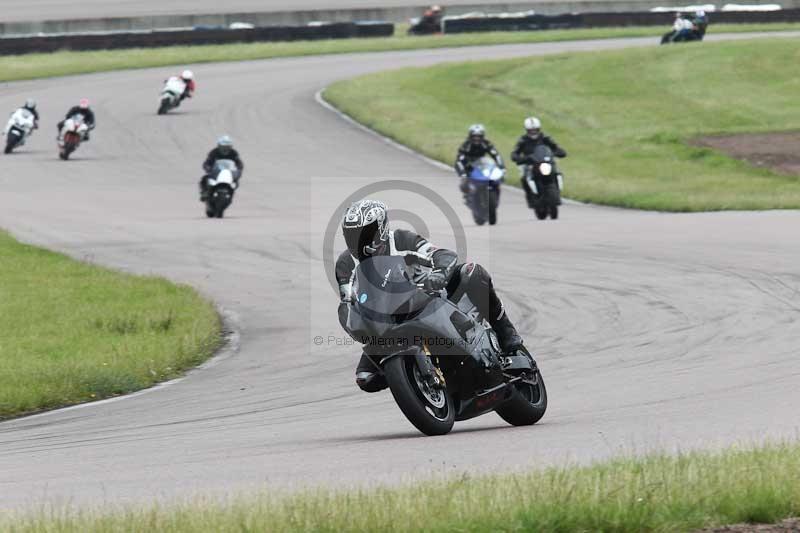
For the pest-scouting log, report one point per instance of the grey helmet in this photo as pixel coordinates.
(477, 130)
(366, 229)
(225, 144)
(30, 103)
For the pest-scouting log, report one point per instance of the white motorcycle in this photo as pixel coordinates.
(171, 94)
(222, 182)
(72, 133)
(19, 128)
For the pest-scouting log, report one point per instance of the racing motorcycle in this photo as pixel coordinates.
(440, 358)
(72, 133)
(543, 183)
(171, 95)
(19, 128)
(222, 182)
(483, 196)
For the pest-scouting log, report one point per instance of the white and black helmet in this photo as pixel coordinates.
(30, 103)
(366, 228)
(533, 126)
(225, 144)
(477, 130)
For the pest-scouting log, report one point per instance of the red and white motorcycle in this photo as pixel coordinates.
(171, 94)
(72, 134)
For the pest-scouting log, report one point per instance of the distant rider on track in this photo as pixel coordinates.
(83, 110)
(526, 145)
(366, 231)
(474, 148)
(223, 150)
(30, 106)
(187, 77)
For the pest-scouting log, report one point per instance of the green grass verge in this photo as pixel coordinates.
(71, 332)
(659, 493)
(32, 66)
(624, 116)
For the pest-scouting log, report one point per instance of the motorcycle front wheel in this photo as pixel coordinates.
(430, 409)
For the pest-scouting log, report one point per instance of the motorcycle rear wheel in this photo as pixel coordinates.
(430, 410)
(528, 404)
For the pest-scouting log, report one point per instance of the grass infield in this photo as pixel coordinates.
(72, 332)
(32, 66)
(659, 493)
(625, 117)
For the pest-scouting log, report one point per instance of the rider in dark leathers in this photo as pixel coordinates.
(475, 147)
(83, 110)
(366, 231)
(223, 150)
(526, 145)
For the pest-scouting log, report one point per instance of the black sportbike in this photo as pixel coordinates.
(441, 359)
(542, 182)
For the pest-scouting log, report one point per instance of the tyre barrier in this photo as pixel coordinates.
(198, 36)
(606, 20)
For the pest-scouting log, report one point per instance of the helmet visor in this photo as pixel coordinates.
(363, 242)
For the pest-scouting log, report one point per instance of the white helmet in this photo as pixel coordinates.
(700, 13)
(533, 126)
(187, 75)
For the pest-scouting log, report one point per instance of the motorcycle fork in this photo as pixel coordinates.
(429, 364)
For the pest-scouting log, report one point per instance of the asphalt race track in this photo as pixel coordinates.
(654, 331)
(23, 10)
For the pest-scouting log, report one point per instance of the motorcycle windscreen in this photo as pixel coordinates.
(482, 169)
(225, 164)
(542, 152)
(384, 293)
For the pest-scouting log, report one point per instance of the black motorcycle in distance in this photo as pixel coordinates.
(542, 182)
(441, 359)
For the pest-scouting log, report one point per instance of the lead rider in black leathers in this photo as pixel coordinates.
(223, 150)
(84, 111)
(366, 231)
(526, 145)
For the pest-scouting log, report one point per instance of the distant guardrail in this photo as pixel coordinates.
(604, 20)
(157, 38)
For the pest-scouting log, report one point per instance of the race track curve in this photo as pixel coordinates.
(654, 331)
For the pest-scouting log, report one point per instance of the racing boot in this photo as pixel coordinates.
(507, 334)
(368, 376)
(510, 341)
(464, 188)
(203, 189)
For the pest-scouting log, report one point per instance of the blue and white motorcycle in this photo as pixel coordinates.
(483, 194)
